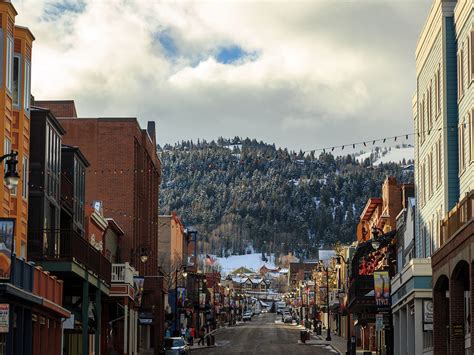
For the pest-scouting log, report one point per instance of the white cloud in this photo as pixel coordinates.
(323, 71)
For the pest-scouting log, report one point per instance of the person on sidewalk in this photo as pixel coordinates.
(202, 333)
(187, 335)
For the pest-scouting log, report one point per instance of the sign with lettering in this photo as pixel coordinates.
(7, 231)
(4, 317)
(458, 330)
(427, 311)
(379, 322)
(382, 288)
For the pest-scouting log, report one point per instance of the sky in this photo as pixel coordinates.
(300, 74)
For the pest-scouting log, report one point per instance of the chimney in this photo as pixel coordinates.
(151, 131)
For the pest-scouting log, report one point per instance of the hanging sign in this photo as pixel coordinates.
(382, 288)
(181, 296)
(7, 230)
(4, 317)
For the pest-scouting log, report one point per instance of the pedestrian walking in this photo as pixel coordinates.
(187, 335)
(202, 332)
(167, 332)
(193, 335)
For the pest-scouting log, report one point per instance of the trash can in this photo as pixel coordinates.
(208, 340)
(303, 336)
(213, 340)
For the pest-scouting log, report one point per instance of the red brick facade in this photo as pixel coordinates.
(63, 108)
(125, 172)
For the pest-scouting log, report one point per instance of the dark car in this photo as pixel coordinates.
(175, 346)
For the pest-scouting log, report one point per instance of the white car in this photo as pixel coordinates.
(247, 316)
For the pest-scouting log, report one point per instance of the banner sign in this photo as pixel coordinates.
(323, 296)
(138, 282)
(7, 232)
(379, 322)
(427, 311)
(217, 297)
(181, 296)
(382, 288)
(4, 317)
(311, 297)
(202, 300)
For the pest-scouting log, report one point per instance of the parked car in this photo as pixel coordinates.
(175, 346)
(287, 318)
(247, 316)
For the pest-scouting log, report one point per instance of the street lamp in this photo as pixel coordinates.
(339, 260)
(185, 274)
(322, 268)
(11, 177)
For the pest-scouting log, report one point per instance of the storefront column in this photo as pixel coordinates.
(85, 317)
(135, 325)
(125, 328)
(130, 332)
(28, 333)
(20, 329)
(418, 338)
(410, 330)
(98, 312)
(403, 330)
(396, 332)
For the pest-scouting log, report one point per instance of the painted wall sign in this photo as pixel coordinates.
(4, 317)
(7, 232)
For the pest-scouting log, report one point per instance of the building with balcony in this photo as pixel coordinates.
(374, 255)
(444, 172)
(56, 232)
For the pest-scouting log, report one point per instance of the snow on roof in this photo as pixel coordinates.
(250, 261)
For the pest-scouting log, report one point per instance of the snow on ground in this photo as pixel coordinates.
(250, 261)
(394, 155)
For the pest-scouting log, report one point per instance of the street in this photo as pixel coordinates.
(262, 336)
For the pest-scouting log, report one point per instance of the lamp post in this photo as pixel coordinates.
(11, 177)
(176, 313)
(322, 268)
(339, 260)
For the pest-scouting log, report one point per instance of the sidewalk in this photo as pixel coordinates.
(338, 343)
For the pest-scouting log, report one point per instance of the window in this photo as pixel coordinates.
(461, 147)
(471, 55)
(422, 119)
(471, 135)
(7, 149)
(430, 178)
(16, 80)
(9, 73)
(438, 91)
(27, 91)
(438, 163)
(461, 73)
(24, 191)
(430, 104)
(467, 312)
(427, 339)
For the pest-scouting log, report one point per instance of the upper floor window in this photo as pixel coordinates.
(16, 80)
(9, 73)
(471, 54)
(461, 73)
(461, 147)
(24, 191)
(27, 91)
(471, 135)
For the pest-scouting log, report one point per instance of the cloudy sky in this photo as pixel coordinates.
(298, 74)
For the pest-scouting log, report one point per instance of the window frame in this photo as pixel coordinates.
(25, 179)
(27, 88)
(9, 66)
(20, 81)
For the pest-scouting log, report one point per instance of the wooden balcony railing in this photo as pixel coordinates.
(123, 273)
(462, 213)
(68, 245)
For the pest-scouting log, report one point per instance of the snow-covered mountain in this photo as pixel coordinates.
(398, 154)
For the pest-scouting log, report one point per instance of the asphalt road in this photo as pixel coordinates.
(261, 336)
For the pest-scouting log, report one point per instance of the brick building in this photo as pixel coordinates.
(124, 172)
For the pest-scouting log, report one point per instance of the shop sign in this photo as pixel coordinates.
(382, 288)
(181, 296)
(379, 322)
(4, 317)
(138, 282)
(7, 230)
(323, 296)
(202, 300)
(458, 330)
(427, 311)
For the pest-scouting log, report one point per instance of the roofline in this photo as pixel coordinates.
(78, 151)
(27, 30)
(53, 118)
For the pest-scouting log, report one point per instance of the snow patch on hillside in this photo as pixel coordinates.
(393, 155)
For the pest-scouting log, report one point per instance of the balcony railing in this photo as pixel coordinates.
(67, 245)
(123, 273)
(462, 213)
